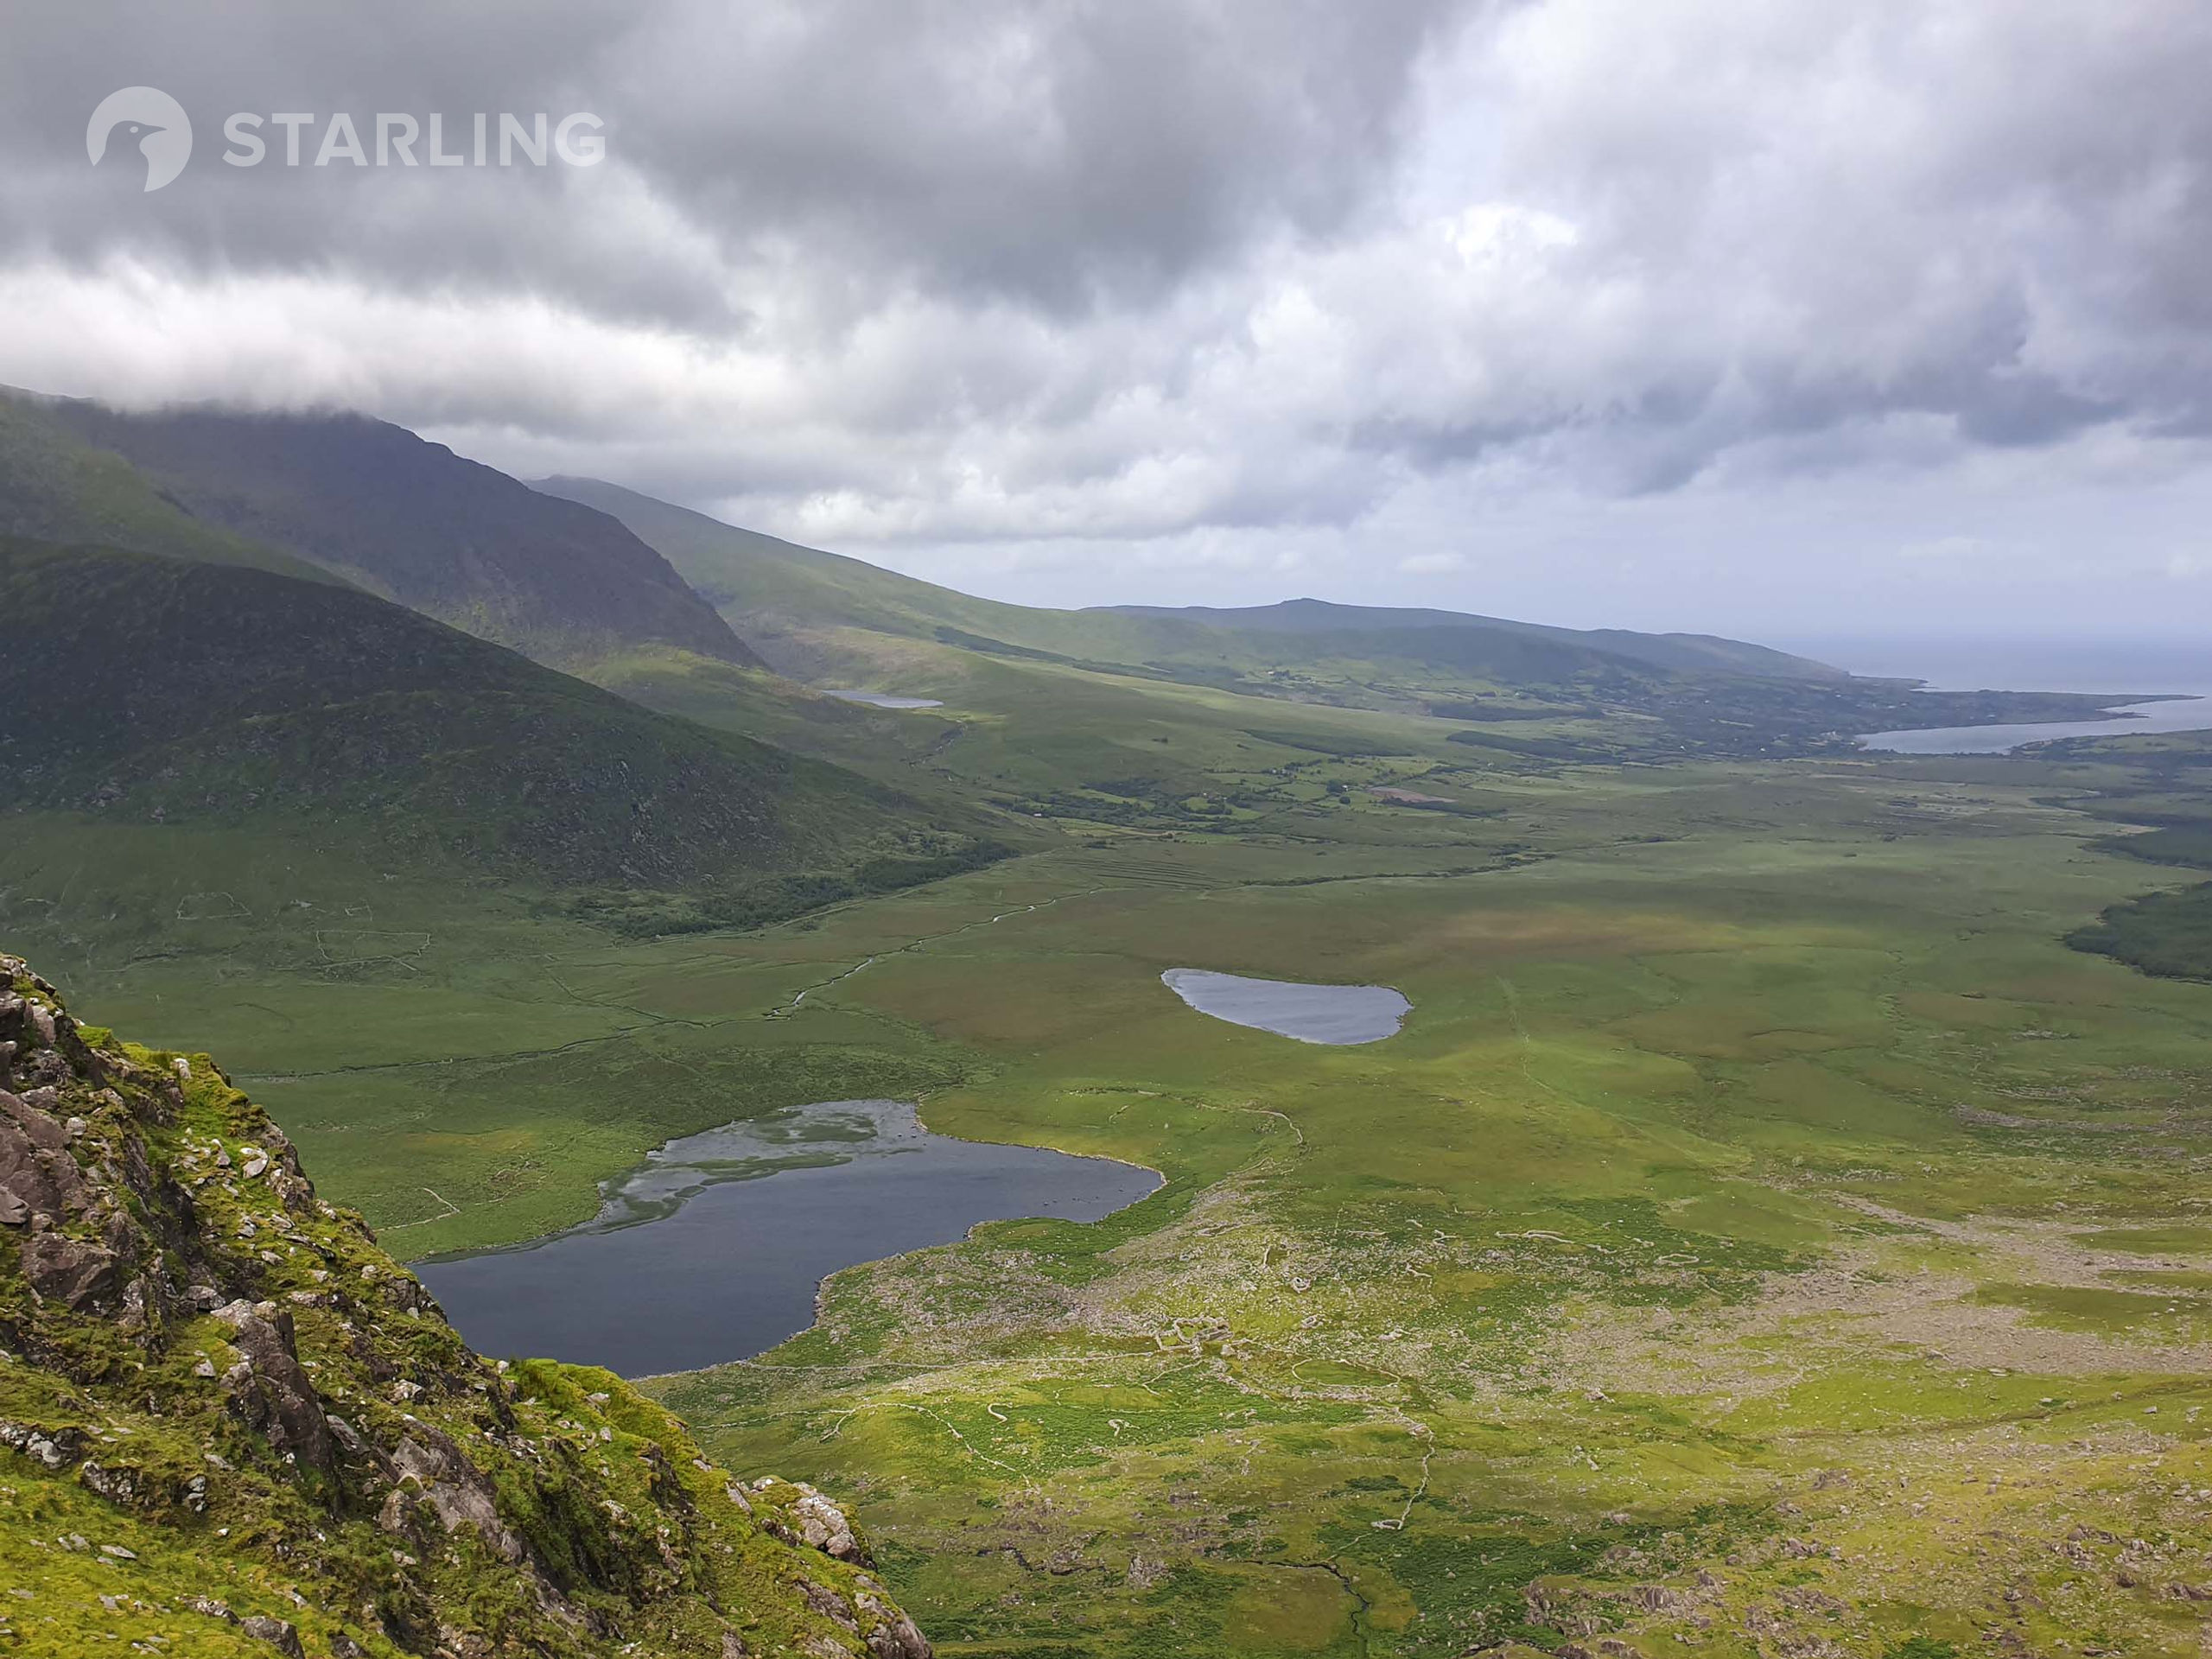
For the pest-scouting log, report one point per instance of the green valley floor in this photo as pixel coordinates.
(1766, 1236)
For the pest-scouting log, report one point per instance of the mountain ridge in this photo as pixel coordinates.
(1689, 652)
(775, 592)
(55, 487)
(382, 508)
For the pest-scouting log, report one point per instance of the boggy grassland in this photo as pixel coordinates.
(1766, 1235)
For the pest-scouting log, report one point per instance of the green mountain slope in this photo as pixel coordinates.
(760, 576)
(55, 487)
(789, 600)
(233, 1425)
(1057, 705)
(792, 602)
(388, 511)
(142, 688)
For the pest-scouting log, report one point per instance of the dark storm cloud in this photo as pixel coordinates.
(1046, 153)
(1033, 151)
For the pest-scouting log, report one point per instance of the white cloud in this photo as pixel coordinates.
(1687, 308)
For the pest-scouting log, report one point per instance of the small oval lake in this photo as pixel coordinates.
(1337, 1014)
(2136, 719)
(881, 700)
(713, 1251)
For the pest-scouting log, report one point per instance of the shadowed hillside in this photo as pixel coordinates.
(142, 688)
(388, 511)
(55, 487)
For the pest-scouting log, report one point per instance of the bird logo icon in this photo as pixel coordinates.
(149, 119)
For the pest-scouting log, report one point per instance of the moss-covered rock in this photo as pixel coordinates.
(230, 1424)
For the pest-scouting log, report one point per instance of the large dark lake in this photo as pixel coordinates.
(712, 1251)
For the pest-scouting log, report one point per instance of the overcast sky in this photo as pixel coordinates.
(1806, 320)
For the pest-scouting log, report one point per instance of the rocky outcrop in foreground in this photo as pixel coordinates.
(231, 1425)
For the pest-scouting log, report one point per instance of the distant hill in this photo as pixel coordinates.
(148, 688)
(1685, 653)
(365, 500)
(789, 602)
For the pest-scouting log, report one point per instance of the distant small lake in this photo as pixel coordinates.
(2181, 714)
(1337, 1014)
(714, 1248)
(879, 700)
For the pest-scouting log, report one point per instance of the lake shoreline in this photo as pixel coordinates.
(2134, 717)
(675, 1268)
(822, 1285)
(1305, 1011)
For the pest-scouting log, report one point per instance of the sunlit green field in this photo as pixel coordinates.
(1765, 1236)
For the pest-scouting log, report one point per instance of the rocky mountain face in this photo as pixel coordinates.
(231, 1425)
